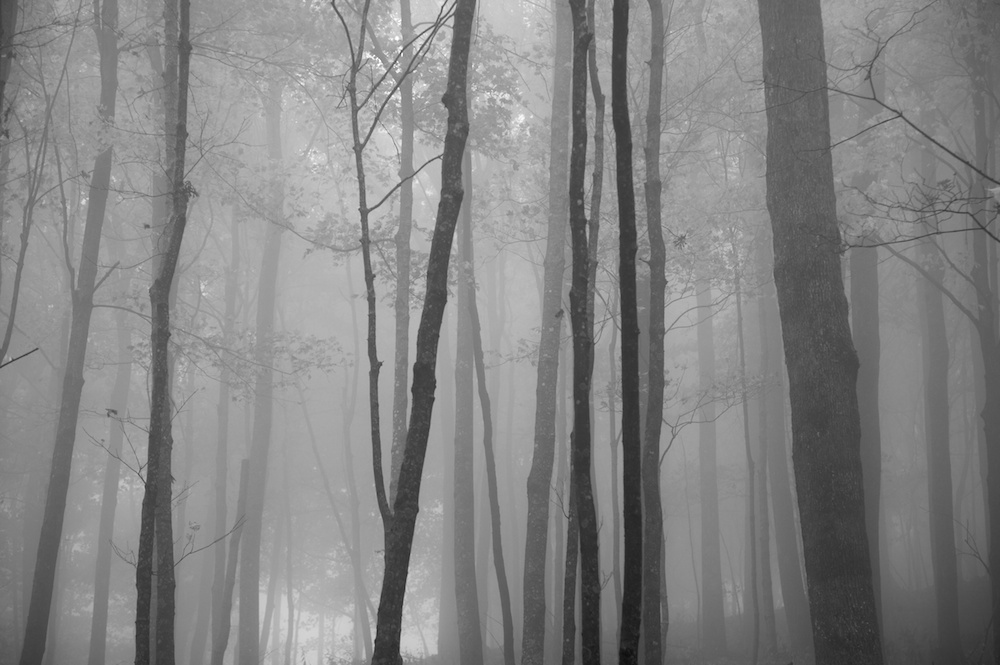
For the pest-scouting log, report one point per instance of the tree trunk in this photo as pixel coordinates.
(263, 407)
(631, 617)
(583, 351)
(713, 619)
(652, 510)
(543, 454)
(222, 448)
(82, 296)
(220, 637)
(470, 638)
(400, 535)
(822, 364)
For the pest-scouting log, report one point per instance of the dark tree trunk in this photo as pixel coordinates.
(263, 409)
(470, 637)
(822, 364)
(583, 351)
(400, 535)
(652, 511)
(82, 299)
(631, 617)
(543, 455)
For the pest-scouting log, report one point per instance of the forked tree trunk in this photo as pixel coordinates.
(400, 535)
(822, 364)
(543, 455)
(82, 298)
(628, 648)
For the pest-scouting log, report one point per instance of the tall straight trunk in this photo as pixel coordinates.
(583, 351)
(786, 536)
(289, 586)
(402, 301)
(220, 632)
(616, 513)
(203, 610)
(109, 495)
(272, 605)
(222, 445)
(8, 27)
(82, 299)
(543, 454)
(750, 584)
(263, 405)
(631, 617)
(713, 619)
(822, 364)
(652, 511)
(399, 542)
(491, 479)
(470, 637)
(937, 441)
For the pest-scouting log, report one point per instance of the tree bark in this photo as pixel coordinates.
(652, 511)
(260, 444)
(400, 535)
(822, 364)
(543, 454)
(82, 300)
(220, 631)
(631, 617)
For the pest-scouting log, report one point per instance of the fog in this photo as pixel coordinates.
(222, 226)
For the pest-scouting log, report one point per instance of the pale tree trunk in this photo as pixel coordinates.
(652, 511)
(822, 364)
(470, 638)
(543, 454)
(220, 632)
(82, 297)
(713, 622)
(260, 443)
(399, 542)
(631, 617)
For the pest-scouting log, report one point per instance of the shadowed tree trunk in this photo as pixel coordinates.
(652, 511)
(822, 364)
(581, 493)
(400, 535)
(543, 454)
(82, 301)
(631, 617)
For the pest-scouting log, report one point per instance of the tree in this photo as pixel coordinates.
(543, 453)
(82, 296)
(631, 617)
(822, 364)
(399, 540)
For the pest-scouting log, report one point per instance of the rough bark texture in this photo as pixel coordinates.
(82, 301)
(822, 365)
(470, 636)
(583, 351)
(713, 619)
(260, 444)
(400, 535)
(652, 511)
(543, 455)
(631, 617)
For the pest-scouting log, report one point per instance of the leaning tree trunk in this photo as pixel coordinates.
(400, 535)
(543, 456)
(82, 294)
(652, 510)
(631, 617)
(822, 364)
